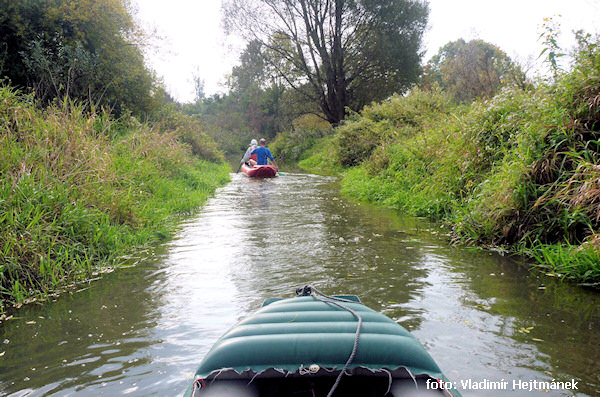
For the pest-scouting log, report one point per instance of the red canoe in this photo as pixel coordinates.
(260, 171)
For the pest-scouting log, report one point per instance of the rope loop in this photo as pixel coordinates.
(309, 290)
(198, 384)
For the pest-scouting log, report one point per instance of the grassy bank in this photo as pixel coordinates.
(78, 191)
(519, 171)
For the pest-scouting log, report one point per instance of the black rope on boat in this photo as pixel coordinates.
(309, 290)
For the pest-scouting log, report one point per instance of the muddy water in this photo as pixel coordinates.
(142, 330)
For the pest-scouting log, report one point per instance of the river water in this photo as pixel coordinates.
(142, 330)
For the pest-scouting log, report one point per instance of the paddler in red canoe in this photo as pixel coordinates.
(250, 158)
(263, 153)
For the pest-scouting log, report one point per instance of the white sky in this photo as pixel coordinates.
(194, 42)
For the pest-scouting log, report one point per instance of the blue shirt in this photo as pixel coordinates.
(261, 155)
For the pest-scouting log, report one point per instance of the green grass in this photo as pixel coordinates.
(291, 146)
(78, 192)
(319, 159)
(580, 263)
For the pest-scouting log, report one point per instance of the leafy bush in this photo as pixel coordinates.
(88, 50)
(381, 123)
(190, 130)
(321, 158)
(293, 145)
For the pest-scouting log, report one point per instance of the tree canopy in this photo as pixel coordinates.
(335, 53)
(86, 49)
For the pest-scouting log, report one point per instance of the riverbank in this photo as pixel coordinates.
(518, 172)
(79, 191)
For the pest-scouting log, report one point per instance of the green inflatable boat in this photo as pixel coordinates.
(316, 345)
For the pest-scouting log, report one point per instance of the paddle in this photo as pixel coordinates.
(240, 167)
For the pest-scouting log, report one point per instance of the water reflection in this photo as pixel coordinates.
(554, 325)
(95, 336)
(144, 329)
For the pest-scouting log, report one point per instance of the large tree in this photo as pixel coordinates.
(336, 53)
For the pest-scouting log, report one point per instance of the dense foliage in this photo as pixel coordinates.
(89, 50)
(519, 170)
(291, 146)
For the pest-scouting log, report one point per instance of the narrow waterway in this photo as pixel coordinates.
(142, 330)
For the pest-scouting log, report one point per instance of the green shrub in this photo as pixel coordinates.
(392, 120)
(321, 158)
(292, 146)
(190, 130)
(546, 187)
